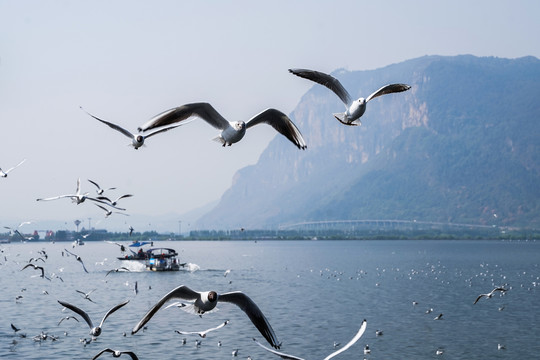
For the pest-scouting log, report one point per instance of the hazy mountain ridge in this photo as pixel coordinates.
(460, 146)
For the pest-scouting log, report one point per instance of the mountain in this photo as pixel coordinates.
(461, 146)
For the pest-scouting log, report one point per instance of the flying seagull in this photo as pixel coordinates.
(99, 190)
(202, 333)
(490, 294)
(115, 202)
(355, 108)
(349, 344)
(86, 295)
(94, 331)
(116, 353)
(77, 257)
(137, 140)
(36, 268)
(78, 197)
(67, 318)
(109, 212)
(207, 301)
(5, 173)
(231, 131)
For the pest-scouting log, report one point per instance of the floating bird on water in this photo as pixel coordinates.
(438, 317)
(5, 173)
(231, 131)
(116, 353)
(202, 333)
(137, 140)
(355, 108)
(490, 294)
(347, 346)
(99, 190)
(207, 300)
(94, 331)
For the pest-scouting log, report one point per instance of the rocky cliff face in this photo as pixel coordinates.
(435, 152)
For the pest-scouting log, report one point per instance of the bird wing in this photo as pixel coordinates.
(388, 89)
(16, 166)
(254, 313)
(181, 292)
(103, 351)
(95, 183)
(204, 111)
(280, 354)
(350, 343)
(75, 309)
(326, 80)
(111, 125)
(281, 123)
(130, 353)
(111, 311)
(56, 197)
(165, 129)
(478, 298)
(123, 196)
(214, 328)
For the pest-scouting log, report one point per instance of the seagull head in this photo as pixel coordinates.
(138, 141)
(95, 331)
(239, 125)
(212, 296)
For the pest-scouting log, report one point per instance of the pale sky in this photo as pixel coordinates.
(126, 61)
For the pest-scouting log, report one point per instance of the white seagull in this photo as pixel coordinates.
(137, 140)
(355, 108)
(349, 344)
(207, 300)
(5, 173)
(202, 333)
(110, 212)
(94, 331)
(490, 294)
(116, 353)
(114, 202)
(78, 197)
(231, 131)
(99, 190)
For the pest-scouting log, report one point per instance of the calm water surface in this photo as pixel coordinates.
(312, 292)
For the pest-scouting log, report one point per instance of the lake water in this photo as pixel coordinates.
(312, 292)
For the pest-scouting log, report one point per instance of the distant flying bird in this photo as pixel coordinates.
(131, 230)
(231, 131)
(94, 331)
(78, 258)
(355, 108)
(490, 294)
(86, 295)
(109, 212)
(349, 344)
(99, 190)
(122, 247)
(5, 173)
(114, 202)
(116, 353)
(202, 333)
(16, 232)
(15, 328)
(67, 318)
(77, 198)
(118, 270)
(207, 301)
(137, 140)
(36, 268)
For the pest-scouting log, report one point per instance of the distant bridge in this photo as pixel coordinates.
(376, 223)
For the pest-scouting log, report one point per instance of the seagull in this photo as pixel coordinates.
(110, 212)
(86, 295)
(347, 346)
(15, 328)
(490, 294)
(355, 108)
(67, 318)
(207, 301)
(122, 247)
(137, 140)
(115, 202)
(116, 353)
(78, 258)
(131, 230)
(438, 317)
(94, 331)
(117, 270)
(202, 333)
(36, 268)
(5, 173)
(16, 232)
(231, 131)
(99, 190)
(77, 198)
(367, 350)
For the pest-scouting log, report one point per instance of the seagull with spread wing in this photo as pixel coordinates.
(354, 108)
(231, 131)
